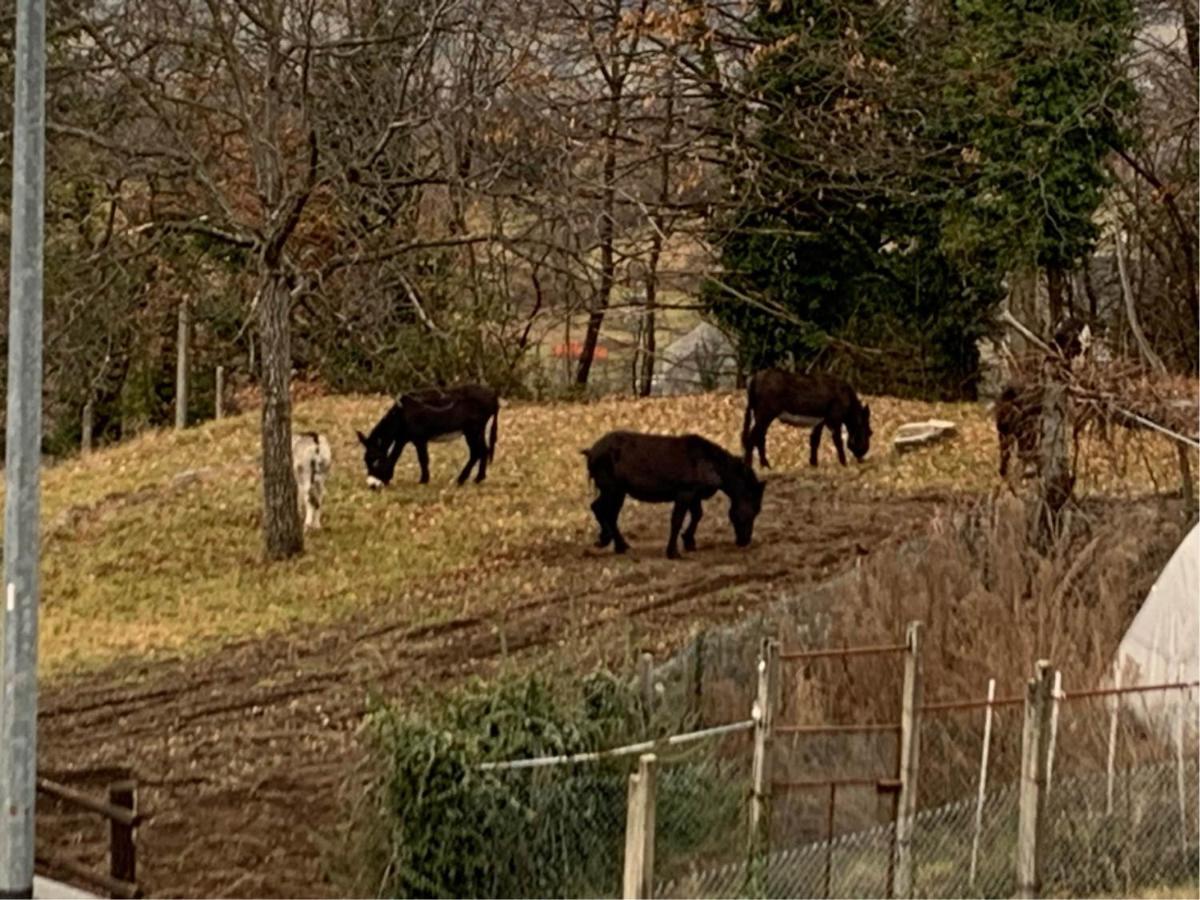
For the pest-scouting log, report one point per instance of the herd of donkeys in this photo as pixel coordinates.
(684, 470)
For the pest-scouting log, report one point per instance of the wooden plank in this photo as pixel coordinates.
(113, 886)
(763, 714)
(122, 836)
(69, 795)
(638, 882)
(910, 753)
(1035, 753)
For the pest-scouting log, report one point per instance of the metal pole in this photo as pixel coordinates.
(983, 769)
(18, 634)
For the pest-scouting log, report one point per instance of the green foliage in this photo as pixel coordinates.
(836, 236)
(1037, 94)
(897, 171)
(439, 826)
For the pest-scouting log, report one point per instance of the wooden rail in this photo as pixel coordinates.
(120, 809)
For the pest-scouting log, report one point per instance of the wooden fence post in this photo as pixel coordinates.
(182, 348)
(86, 427)
(639, 831)
(122, 852)
(219, 402)
(646, 686)
(910, 758)
(1035, 756)
(763, 714)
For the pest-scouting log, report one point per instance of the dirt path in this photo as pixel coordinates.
(244, 754)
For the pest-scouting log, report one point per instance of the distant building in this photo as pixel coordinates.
(704, 359)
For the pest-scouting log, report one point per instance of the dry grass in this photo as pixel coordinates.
(140, 558)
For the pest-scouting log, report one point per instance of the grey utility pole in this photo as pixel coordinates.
(18, 632)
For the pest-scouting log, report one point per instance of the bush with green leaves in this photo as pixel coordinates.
(439, 825)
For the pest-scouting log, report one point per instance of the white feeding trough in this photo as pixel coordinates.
(914, 435)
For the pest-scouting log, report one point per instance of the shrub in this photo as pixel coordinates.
(438, 825)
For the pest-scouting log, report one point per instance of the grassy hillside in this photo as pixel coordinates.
(153, 546)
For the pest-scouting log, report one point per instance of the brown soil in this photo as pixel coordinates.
(244, 755)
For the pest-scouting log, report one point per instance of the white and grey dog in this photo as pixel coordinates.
(311, 461)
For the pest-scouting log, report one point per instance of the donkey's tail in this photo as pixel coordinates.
(492, 436)
(748, 418)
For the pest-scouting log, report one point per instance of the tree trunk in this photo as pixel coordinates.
(1131, 313)
(282, 533)
(648, 325)
(607, 236)
(1054, 291)
(182, 347)
(1191, 32)
(658, 225)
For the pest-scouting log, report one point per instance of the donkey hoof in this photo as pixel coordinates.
(689, 544)
(601, 543)
(672, 553)
(620, 548)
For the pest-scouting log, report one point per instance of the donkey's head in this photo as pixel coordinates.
(380, 453)
(745, 503)
(859, 428)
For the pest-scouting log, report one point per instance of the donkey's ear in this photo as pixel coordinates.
(361, 438)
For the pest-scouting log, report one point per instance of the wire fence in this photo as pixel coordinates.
(1113, 781)
(565, 822)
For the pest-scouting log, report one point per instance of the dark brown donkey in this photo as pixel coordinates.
(809, 401)
(1018, 416)
(683, 470)
(437, 414)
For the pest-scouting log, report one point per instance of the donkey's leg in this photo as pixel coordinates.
(760, 438)
(835, 431)
(689, 534)
(677, 513)
(620, 545)
(600, 509)
(423, 460)
(814, 443)
(479, 448)
(473, 447)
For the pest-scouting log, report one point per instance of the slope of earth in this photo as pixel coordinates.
(153, 547)
(234, 690)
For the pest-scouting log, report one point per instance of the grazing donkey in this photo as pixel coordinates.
(437, 414)
(815, 401)
(311, 461)
(661, 469)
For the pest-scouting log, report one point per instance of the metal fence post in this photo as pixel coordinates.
(763, 714)
(910, 756)
(639, 831)
(1113, 718)
(18, 631)
(983, 769)
(1057, 696)
(219, 402)
(1035, 754)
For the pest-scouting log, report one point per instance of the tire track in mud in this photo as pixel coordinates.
(245, 753)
